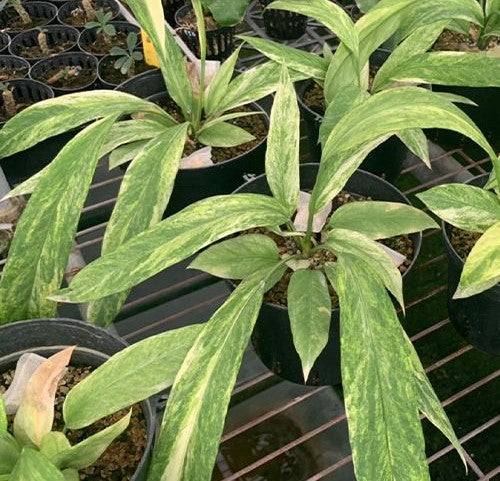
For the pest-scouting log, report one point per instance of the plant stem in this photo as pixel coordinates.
(42, 43)
(9, 103)
(89, 9)
(200, 23)
(23, 14)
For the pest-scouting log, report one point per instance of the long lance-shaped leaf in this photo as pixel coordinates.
(464, 206)
(142, 200)
(51, 117)
(382, 114)
(34, 466)
(282, 155)
(450, 68)
(171, 241)
(482, 267)
(382, 410)
(310, 309)
(3, 417)
(417, 143)
(387, 219)
(45, 233)
(193, 422)
(9, 453)
(308, 63)
(329, 14)
(355, 244)
(126, 153)
(88, 451)
(418, 42)
(134, 374)
(149, 13)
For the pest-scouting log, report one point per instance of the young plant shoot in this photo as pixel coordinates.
(126, 59)
(102, 25)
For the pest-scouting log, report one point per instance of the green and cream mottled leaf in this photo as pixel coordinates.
(142, 200)
(196, 409)
(53, 443)
(310, 311)
(239, 257)
(130, 376)
(3, 417)
(381, 220)
(231, 116)
(54, 116)
(34, 466)
(416, 141)
(171, 241)
(126, 153)
(482, 267)
(283, 146)
(456, 99)
(382, 410)
(224, 134)
(9, 453)
(464, 206)
(46, 230)
(492, 6)
(26, 187)
(71, 475)
(310, 64)
(344, 242)
(331, 15)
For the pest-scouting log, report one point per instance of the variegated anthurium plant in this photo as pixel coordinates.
(384, 384)
(151, 137)
(473, 209)
(29, 447)
(344, 74)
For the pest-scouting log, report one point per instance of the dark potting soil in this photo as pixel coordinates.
(36, 52)
(120, 460)
(112, 75)
(462, 240)
(7, 73)
(6, 115)
(104, 43)
(68, 77)
(287, 245)
(78, 18)
(254, 124)
(15, 23)
(188, 22)
(455, 41)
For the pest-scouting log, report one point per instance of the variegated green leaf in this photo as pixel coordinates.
(310, 311)
(282, 155)
(456, 99)
(382, 114)
(331, 15)
(344, 242)
(171, 241)
(54, 116)
(71, 475)
(310, 64)
(386, 219)
(134, 374)
(464, 206)
(227, 13)
(53, 443)
(142, 200)
(491, 7)
(382, 410)
(449, 68)
(45, 232)
(196, 409)
(126, 153)
(239, 257)
(9, 453)
(482, 267)
(366, 5)
(224, 134)
(418, 42)
(3, 417)
(34, 466)
(417, 143)
(230, 116)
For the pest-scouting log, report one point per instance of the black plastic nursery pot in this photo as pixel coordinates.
(386, 160)
(60, 39)
(12, 67)
(272, 336)
(89, 36)
(41, 13)
(110, 78)
(475, 318)
(192, 185)
(94, 346)
(220, 42)
(170, 8)
(4, 42)
(66, 14)
(282, 24)
(46, 69)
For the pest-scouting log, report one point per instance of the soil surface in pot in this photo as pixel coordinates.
(79, 18)
(9, 218)
(69, 77)
(112, 75)
(104, 43)
(254, 124)
(15, 23)
(188, 22)
(462, 240)
(120, 460)
(9, 107)
(10, 72)
(36, 51)
(455, 41)
(287, 245)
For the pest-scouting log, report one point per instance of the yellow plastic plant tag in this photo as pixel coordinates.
(150, 56)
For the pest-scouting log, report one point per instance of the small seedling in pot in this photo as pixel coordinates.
(42, 41)
(9, 103)
(101, 23)
(65, 73)
(127, 58)
(18, 7)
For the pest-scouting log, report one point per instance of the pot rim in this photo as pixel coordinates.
(182, 11)
(50, 18)
(65, 4)
(117, 23)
